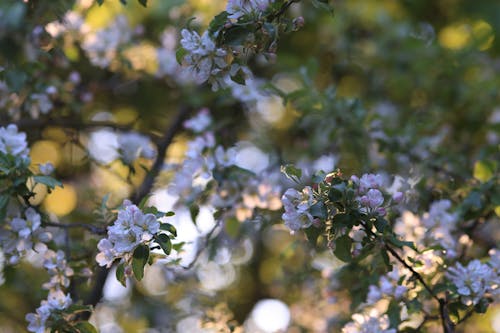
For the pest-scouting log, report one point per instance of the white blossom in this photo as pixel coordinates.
(46, 168)
(474, 281)
(132, 145)
(200, 122)
(239, 8)
(297, 204)
(131, 228)
(204, 61)
(13, 142)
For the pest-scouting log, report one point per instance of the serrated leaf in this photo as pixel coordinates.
(165, 243)
(47, 180)
(139, 260)
(168, 227)
(343, 248)
(85, 327)
(120, 274)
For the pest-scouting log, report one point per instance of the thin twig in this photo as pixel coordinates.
(144, 189)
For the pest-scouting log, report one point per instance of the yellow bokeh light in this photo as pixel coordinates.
(44, 151)
(455, 36)
(483, 34)
(142, 57)
(61, 201)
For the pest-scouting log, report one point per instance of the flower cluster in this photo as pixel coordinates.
(56, 301)
(239, 8)
(60, 273)
(132, 145)
(131, 228)
(387, 287)
(205, 61)
(474, 281)
(22, 234)
(297, 208)
(102, 46)
(13, 142)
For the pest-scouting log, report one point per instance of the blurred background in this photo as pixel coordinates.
(406, 86)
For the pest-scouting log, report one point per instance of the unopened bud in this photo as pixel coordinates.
(298, 23)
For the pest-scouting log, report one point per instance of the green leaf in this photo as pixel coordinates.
(484, 170)
(232, 227)
(340, 220)
(139, 260)
(323, 4)
(168, 227)
(47, 180)
(236, 36)
(217, 23)
(144, 201)
(239, 77)
(482, 306)
(124, 2)
(343, 248)
(144, 2)
(386, 259)
(312, 234)
(393, 312)
(194, 210)
(178, 246)
(168, 214)
(164, 241)
(319, 210)
(180, 54)
(85, 327)
(334, 195)
(100, 2)
(291, 172)
(399, 243)
(120, 274)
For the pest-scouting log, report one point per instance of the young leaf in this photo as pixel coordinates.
(312, 234)
(164, 241)
(120, 274)
(139, 260)
(168, 227)
(343, 248)
(85, 327)
(49, 181)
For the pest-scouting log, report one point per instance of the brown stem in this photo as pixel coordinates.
(448, 326)
(144, 189)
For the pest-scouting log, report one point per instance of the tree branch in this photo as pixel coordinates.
(144, 189)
